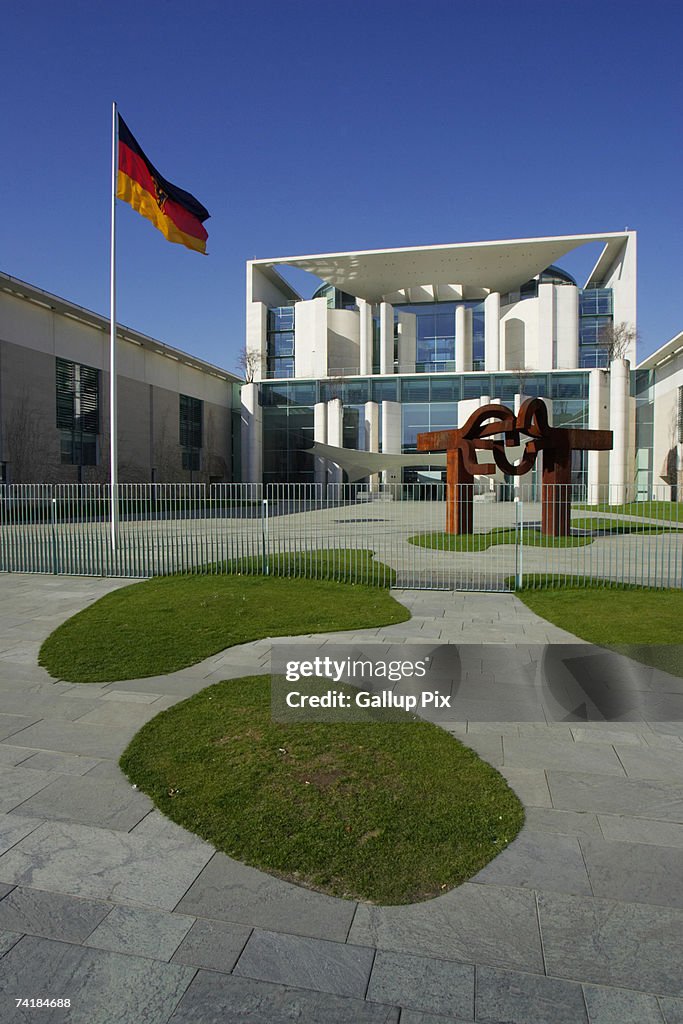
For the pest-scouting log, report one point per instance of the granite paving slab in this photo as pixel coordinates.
(50, 914)
(141, 932)
(12, 724)
(652, 763)
(487, 924)
(64, 764)
(635, 872)
(18, 784)
(11, 756)
(548, 752)
(539, 860)
(111, 803)
(527, 999)
(13, 828)
(99, 863)
(423, 983)
(215, 945)
(569, 823)
(76, 738)
(619, 1006)
(7, 940)
(672, 1010)
(645, 798)
(629, 945)
(301, 962)
(103, 987)
(230, 891)
(530, 785)
(415, 1017)
(218, 999)
(622, 828)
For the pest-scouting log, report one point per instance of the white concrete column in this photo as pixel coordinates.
(492, 331)
(620, 416)
(365, 337)
(546, 326)
(598, 419)
(251, 434)
(386, 338)
(407, 342)
(391, 438)
(372, 436)
(335, 436)
(567, 326)
(320, 434)
(463, 339)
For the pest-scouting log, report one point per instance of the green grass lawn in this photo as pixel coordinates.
(620, 526)
(386, 812)
(502, 535)
(645, 624)
(168, 623)
(648, 509)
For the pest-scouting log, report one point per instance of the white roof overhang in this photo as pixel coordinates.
(467, 269)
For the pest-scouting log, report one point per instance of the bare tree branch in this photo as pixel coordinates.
(618, 339)
(248, 362)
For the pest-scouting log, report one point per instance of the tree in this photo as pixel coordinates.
(617, 339)
(248, 362)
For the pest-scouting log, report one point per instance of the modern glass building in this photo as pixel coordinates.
(393, 343)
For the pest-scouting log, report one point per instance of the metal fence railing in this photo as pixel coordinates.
(391, 535)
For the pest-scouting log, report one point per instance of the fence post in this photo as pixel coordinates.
(264, 535)
(55, 556)
(519, 523)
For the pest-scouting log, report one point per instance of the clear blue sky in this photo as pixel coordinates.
(316, 127)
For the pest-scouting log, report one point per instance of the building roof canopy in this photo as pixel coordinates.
(474, 268)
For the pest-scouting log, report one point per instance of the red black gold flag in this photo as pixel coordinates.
(176, 213)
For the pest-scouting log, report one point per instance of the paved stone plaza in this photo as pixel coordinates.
(105, 902)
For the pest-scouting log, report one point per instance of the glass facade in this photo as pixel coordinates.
(280, 342)
(428, 403)
(595, 313)
(435, 334)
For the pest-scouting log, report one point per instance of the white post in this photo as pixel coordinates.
(113, 448)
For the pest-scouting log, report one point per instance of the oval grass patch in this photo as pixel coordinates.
(389, 812)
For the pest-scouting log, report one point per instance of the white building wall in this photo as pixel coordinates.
(407, 342)
(621, 278)
(492, 332)
(310, 338)
(463, 339)
(386, 338)
(566, 327)
(252, 434)
(598, 419)
(343, 342)
(372, 436)
(391, 437)
(667, 449)
(335, 435)
(545, 352)
(257, 337)
(622, 456)
(365, 336)
(320, 435)
(519, 335)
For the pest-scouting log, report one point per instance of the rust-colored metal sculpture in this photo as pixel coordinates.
(480, 434)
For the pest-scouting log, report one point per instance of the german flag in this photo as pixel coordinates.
(176, 213)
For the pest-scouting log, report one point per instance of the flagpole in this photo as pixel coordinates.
(113, 428)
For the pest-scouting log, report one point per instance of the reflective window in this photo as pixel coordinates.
(280, 342)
